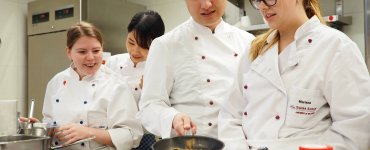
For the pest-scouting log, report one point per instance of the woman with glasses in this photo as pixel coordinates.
(303, 83)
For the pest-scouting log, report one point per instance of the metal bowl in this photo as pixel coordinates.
(188, 143)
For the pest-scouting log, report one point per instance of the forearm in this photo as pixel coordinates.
(101, 136)
(157, 119)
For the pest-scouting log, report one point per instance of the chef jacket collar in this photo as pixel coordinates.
(307, 27)
(75, 75)
(303, 29)
(203, 29)
(138, 65)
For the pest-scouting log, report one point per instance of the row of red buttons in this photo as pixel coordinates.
(65, 82)
(277, 117)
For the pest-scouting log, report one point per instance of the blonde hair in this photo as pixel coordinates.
(260, 45)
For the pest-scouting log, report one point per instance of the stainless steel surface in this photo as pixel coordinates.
(74, 143)
(32, 107)
(338, 20)
(23, 142)
(188, 142)
(47, 39)
(339, 7)
(367, 32)
(25, 128)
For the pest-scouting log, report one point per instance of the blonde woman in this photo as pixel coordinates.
(305, 83)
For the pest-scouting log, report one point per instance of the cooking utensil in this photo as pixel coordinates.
(188, 143)
(30, 114)
(74, 143)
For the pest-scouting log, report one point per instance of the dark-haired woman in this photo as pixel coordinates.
(307, 84)
(89, 100)
(144, 27)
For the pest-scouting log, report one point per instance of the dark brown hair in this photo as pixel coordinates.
(82, 29)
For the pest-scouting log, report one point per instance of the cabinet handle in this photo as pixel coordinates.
(0, 42)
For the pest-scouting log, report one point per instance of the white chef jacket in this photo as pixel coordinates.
(321, 96)
(190, 70)
(123, 65)
(99, 101)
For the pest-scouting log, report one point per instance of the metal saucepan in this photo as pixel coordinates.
(188, 143)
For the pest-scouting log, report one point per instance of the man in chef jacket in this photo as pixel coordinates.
(189, 72)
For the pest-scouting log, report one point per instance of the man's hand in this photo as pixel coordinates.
(182, 123)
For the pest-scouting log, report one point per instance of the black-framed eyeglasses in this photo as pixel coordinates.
(257, 3)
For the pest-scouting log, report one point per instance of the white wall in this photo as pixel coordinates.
(172, 12)
(13, 51)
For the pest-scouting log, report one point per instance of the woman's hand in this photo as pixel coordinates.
(182, 123)
(32, 120)
(70, 133)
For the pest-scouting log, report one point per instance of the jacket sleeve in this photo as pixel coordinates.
(155, 111)
(47, 106)
(347, 90)
(230, 129)
(125, 130)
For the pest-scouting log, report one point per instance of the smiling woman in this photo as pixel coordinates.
(143, 28)
(89, 100)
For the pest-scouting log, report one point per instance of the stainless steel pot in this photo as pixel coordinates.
(189, 143)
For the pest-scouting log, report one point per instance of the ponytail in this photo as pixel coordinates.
(259, 44)
(312, 8)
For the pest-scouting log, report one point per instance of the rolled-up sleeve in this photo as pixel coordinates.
(155, 111)
(125, 130)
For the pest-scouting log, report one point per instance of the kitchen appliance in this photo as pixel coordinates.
(47, 24)
(188, 142)
(367, 32)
